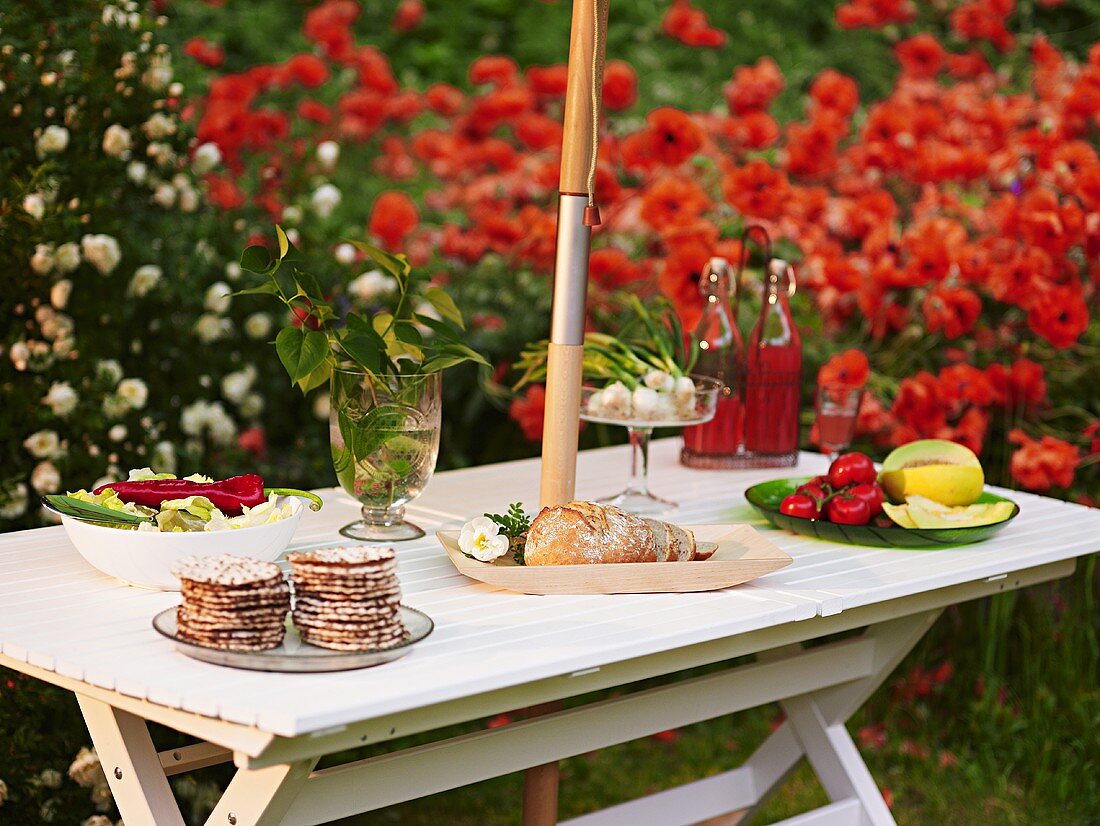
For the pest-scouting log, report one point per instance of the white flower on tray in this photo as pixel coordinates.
(481, 538)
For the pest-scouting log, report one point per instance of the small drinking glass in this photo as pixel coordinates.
(697, 409)
(384, 435)
(837, 413)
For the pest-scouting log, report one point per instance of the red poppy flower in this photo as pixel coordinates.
(314, 111)
(374, 70)
(753, 88)
(253, 440)
(1043, 464)
(529, 412)
(673, 201)
(756, 190)
(496, 69)
(836, 92)
(1059, 315)
(920, 56)
(962, 384)
(679, 280)
(1022, 383)
(620, 85)
(672, 137)
(917, 404)
(408, 15)
(204, 53)
(850, 367)
(691, 26)
(611, 268)
(952, 310)
(223, 193)
(550, 81)
(393, 216)
(445, 99)
(537, 131)
(329, 25)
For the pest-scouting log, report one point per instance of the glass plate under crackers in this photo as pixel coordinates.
(295, 656)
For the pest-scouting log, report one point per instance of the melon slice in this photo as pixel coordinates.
(936, 469)
(899, 514)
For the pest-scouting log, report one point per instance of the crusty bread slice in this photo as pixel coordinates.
(662, 533)
(683, 543)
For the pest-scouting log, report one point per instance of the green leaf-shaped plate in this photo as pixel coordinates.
(767, 496)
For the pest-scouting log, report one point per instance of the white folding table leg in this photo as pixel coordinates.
(261, 797)
(836, 760)
(776, 759)
(130, 761)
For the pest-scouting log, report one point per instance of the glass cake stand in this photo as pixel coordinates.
(636, 498)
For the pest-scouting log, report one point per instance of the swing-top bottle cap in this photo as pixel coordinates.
(715, 268)
(780, 271)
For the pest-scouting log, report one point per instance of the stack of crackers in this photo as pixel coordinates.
(232, 602)
(347, 598)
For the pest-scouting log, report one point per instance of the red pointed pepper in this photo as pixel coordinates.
(229, 496)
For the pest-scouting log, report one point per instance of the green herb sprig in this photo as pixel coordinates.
(514, 524)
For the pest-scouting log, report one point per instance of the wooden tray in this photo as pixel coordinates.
(742, 554)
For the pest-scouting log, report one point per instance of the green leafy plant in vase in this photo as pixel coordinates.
(385, 376)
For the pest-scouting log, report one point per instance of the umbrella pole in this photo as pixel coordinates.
(576, 215)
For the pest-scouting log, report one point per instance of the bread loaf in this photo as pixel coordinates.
(578, 533)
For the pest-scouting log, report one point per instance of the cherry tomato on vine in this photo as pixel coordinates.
(812, 489)
(871, 494)
(852, 469)
(797, 504)
(847, 510)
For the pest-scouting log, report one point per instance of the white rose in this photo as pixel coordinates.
(322, 406)
(233, 270)
(252, 405)
(110, 370)
(134, 392)
(206, 157)
(50, 778)
(159, 74)
(193, 418)
(145, 278)
(217, 296)
(60, 292)
(164, 457)
(257, 326)
(210, 328)
(96, 820)
(114, 406)
(325, 199)
(189, 199)
(328, 152)
(20, 354)
(86, 770)
(164, 195)
(42, 260)
(220, 426)
(137, 172)
(67, 257)
(481, 539)
(42, 444)
(175, 90)
(61, 398)
(372, 285)
(292, 236)
(45, 478)
(292, 215)
(116, 140)
(344, 254)
(236, 385)
(35, 205)
(11, 507)
(101, 251)
(53, 139)
(117, 433)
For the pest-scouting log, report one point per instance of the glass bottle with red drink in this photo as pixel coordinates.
(716, 443)
(773, 375)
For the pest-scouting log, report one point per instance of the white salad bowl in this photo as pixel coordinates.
(146, 558)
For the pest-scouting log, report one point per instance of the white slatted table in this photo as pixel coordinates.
(494, 651)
